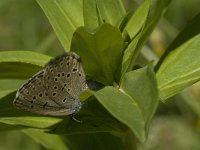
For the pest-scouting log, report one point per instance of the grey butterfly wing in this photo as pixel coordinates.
(32, 97)
(50, 92)
(65, 80)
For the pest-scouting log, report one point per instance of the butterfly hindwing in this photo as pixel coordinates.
(32, 97)
(54, 90)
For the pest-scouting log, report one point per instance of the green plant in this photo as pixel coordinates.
(109, 44)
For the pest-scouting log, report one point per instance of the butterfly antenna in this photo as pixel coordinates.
(73, 117)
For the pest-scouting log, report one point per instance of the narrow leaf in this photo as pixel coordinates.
(47, 140)
(30, 121)
(111, 11)
(138, 19)
(21, 64)
(64, 16)
(91, 19)
(28, 57)
(155, 11)
(180, 69)
(188, 32)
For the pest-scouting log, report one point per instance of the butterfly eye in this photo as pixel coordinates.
(58, 75)
(63, 74)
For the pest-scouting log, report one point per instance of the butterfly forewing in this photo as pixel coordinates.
(54, 90)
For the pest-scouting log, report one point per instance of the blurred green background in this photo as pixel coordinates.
(176, 126)
(23, 26)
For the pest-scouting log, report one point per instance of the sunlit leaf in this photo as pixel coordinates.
(91, 19)
(142, 29)
(180, 69)
(64, 16)
(111, 11)
(21, 64)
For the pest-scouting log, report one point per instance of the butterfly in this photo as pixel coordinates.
(55, 89)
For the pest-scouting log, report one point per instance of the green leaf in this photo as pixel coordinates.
(7, 127)
(9, 86)
(141, 85)
(188, 32)
(134, 28)
(30, 121)
(64, 16)
(143, 30)
(156, 11)
(21, 64)
(191, 30)
(91, 19)
(17, 70)
(101, 52)
(138, 19)
(128, 105)
(28, 57)
(180, 69)
(49, 141)
(129, 56)
(122, 107)
(94, 119)
(12, 116)
(97, 141)
(111, 11)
